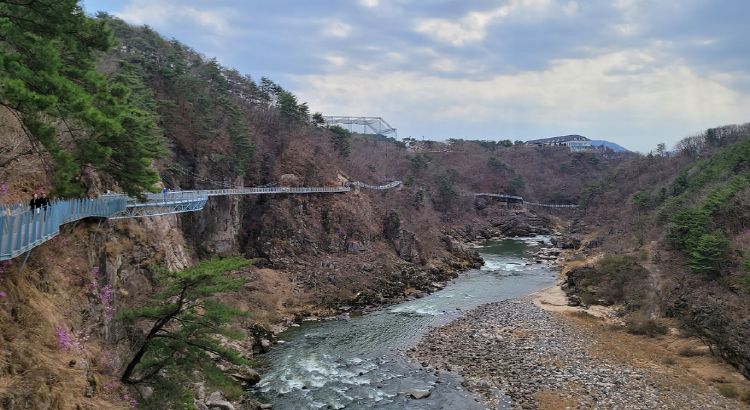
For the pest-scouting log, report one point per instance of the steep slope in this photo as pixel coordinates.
(685, 217)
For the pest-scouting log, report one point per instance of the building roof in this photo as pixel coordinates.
(557, 140)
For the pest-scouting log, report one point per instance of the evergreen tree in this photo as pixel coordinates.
(340, 140)
(318, 120)
(201, 105)
(517, 185)
(48, 51)
(709, 253)
(181, 327)
(289, 109)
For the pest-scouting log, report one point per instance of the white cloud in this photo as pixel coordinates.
(705, 42)
(338, 29)
(635, 87)
(570, 8)
(445, 64)
(152, 13)
(473, 26)
(369, 3)
(627, 29)
(336, 60)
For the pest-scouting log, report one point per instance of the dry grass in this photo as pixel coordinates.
(582, 314)
(648, 327)
(670, 360)
(661, 357)
(558, 400)
(34, 372)
(690, 352)
(745, 397)
(728, 390)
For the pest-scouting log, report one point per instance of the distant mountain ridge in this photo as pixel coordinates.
(615, 147)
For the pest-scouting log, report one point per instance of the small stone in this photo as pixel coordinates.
(419, 394)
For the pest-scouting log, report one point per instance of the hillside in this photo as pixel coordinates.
(312, 253)
(684, 217)
(157, 114)
(607, 144)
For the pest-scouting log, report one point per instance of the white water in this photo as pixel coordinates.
(358, 364)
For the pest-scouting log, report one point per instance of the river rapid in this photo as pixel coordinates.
(360, 364)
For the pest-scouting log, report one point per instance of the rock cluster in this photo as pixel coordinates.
(566, 241)
(218, 401)
(515, 348)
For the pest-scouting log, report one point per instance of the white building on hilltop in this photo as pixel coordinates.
(574, 142)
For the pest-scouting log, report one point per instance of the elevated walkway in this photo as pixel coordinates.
(22, 229)
(521, 200)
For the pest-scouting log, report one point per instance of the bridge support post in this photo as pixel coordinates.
(24, 261)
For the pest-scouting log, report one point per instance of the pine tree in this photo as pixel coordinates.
(340, 138)
(48, 51)
(709, 252)
(182, 324)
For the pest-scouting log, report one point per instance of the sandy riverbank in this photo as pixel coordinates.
(542, 356)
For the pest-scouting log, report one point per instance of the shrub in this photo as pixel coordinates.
(690, 352)
(612, 280)
(745, 398)
(728, 390)
(648, 328)
(580, 314)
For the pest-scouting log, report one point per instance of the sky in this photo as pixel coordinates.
(633, 72)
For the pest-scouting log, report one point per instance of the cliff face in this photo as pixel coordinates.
(62, 346)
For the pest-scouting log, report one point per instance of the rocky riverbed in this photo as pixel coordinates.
(542, 360)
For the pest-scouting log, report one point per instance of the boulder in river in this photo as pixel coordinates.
(419, 394)
(247, 375)
(216, 401)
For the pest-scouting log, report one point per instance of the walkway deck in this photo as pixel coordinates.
(22, 229)
(521, 200)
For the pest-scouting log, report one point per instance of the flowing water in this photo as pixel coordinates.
(360, 364)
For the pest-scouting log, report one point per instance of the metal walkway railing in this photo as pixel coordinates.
(387, 186)
(551, 205)
(519, 199)
(21, 228)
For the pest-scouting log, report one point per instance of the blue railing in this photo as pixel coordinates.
(22, 228)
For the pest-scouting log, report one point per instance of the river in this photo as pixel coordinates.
(360, 363)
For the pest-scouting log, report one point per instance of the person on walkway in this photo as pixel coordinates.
(33, 204)
(43, 202)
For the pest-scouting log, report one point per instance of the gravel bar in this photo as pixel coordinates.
(514, 348)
